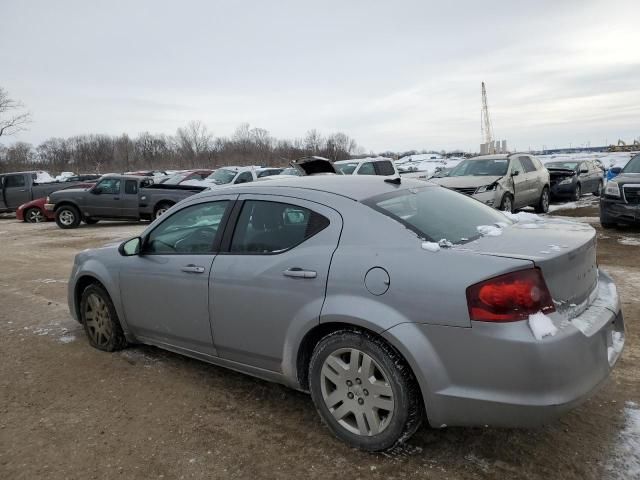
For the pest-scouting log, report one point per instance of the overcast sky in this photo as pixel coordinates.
(392, 74)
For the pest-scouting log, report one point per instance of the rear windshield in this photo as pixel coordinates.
(436, 213)
(633, 166)
(488, 167)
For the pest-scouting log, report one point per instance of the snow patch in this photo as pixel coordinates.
(489, 230)
(67, 338)
(625, 460)
(617, 343)
(629, 241)
(524, 217)
(542, 326)
(430, 246)
(444, 243)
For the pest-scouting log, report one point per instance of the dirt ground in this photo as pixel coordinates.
(70, 411)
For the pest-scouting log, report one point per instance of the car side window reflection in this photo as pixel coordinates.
(191, 230)
(273, 227)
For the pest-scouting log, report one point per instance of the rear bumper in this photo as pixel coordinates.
(500, 375)
(618, 211)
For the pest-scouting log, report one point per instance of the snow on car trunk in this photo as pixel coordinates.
(564, 251)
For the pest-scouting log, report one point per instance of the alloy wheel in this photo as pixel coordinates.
(67, 217)
(35, 215)
(357, 392)
(98, 320)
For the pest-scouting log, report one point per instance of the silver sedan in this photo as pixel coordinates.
(393, 302)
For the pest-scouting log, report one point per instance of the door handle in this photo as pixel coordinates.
(299, 273)
(192, 269)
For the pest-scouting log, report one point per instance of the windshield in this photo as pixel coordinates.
(486, 168)
(633, 166)
(176, 179)
(421, 210)
(346, 168)
(567, 165)
(222, 176)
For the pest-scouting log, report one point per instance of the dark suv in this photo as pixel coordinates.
(574, 178)
(621, 200)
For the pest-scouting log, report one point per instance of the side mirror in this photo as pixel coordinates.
(131, 247)
(584, 170)
(96, 190)
(515, 173)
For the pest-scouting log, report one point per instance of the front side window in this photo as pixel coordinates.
(273, 227)
(109, 186)
(244, 177)
(191, 230)
(14, 181)
(222, 176)
(367, 169)
(420, 210)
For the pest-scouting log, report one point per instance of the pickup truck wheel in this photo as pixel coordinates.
(91, 221)
(162, 209)
(34, 215)
(68, 216)
(100, 320)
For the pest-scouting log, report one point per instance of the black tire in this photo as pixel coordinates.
(102, 327)
(68, 216)
(161, 209)
(577, 193)
(91, 221)
(598, 191)
(408, 408)
(34, 215)
(506, 205)
(543, 203)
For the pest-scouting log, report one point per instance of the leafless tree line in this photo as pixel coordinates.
(193, 146)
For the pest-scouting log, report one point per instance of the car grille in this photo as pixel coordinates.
(466, 190)
(632, 193)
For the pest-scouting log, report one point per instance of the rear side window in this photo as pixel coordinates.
(385, 168)
(131, 187)
(367, 169)
(527, 164)
(273, 227)
(14, 181)
(427, 211)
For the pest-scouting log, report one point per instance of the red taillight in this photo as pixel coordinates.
(509, 297)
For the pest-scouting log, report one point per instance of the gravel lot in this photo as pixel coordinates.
(69, 411)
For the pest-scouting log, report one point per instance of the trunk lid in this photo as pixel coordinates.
(564, 251)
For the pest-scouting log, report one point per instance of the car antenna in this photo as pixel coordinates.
(395, 181)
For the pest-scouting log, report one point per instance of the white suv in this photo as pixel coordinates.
(367, 166)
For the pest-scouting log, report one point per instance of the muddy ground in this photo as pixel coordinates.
(70, 411)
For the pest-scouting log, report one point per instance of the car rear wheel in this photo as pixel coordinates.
(577, 193)
(543, 202)
(598, 191)
(100, 320)
(67, 216)
(507, 203)
(34, 215)
(364, 391)
(162, 209)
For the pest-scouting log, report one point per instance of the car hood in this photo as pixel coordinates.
(627, 178)
(466, 181)
(67, 191)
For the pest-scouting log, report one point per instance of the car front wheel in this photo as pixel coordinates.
(100, 319)
(68, 216)
(364, 391)
(34, 215)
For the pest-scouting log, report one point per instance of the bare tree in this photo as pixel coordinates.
(194, 140)
(13, 118)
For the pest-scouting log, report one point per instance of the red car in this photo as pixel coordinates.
(34, 211)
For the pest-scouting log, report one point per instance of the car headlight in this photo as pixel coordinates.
(486, 188)
(612, 189)
(566, 181)
(48, 199)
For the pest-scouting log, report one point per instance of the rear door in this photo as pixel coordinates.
(272, 275)
(532, 186)
(16, 190)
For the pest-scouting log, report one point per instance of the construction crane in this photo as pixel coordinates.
(487, 129)
(623, 147)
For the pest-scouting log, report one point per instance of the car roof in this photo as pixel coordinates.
(368, 159)
(127, 176)
(354, 187)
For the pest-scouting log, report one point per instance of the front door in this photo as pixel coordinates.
(165, 289)
(16, 191)
(105, 199)
(273, 276)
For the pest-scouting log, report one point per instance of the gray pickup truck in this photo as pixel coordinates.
(116, 197)
(17, 188)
